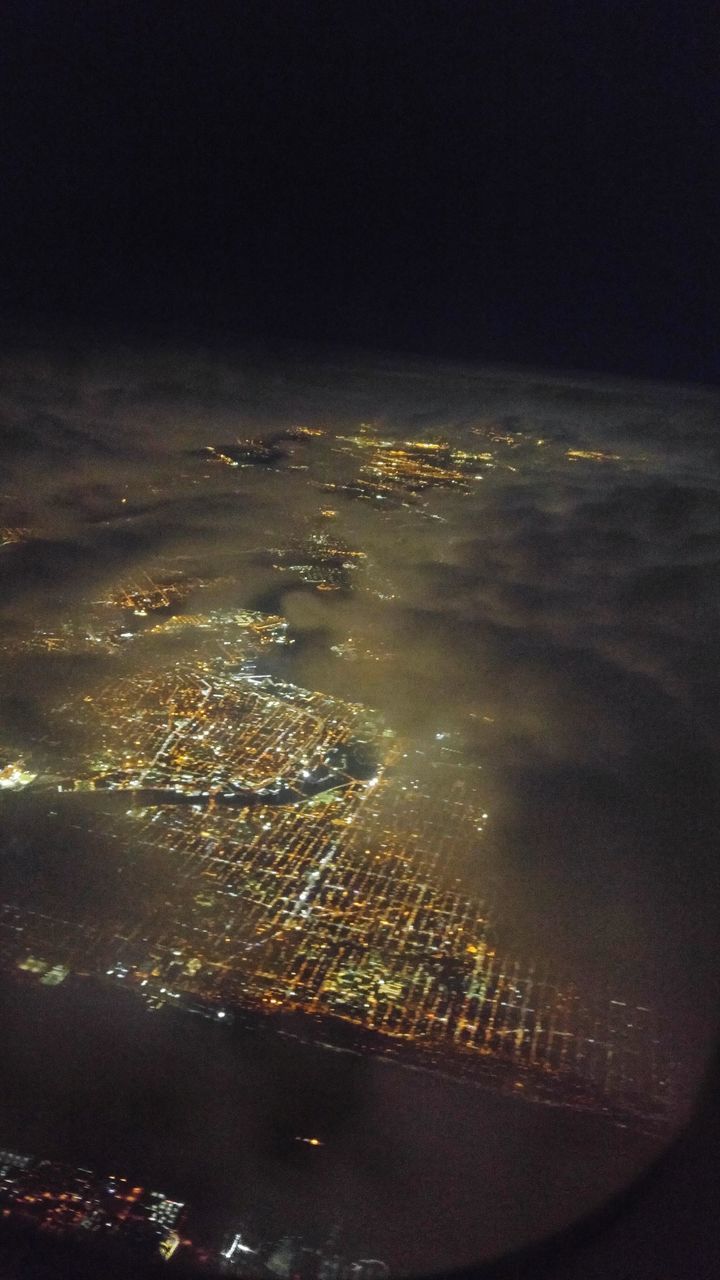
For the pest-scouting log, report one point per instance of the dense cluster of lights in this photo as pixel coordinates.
(289, 852)
(329, 889)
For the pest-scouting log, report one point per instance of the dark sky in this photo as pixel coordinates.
(517, 182)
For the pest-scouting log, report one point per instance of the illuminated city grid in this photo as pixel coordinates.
(171, 729)
(356, 917)
(348, 902)
(285, 851)
(327, 907)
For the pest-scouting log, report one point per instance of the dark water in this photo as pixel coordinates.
(423, 1172)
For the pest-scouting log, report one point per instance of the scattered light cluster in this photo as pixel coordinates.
(322, 559)
(148, 596)
(61, 1201)
(397, 471)
(65, 1203)
(591, 455)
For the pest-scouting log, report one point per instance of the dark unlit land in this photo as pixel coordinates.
(211, 1115)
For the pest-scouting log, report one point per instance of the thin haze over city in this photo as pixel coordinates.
(359, 534)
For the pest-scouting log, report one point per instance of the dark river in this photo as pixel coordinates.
(211, 1115)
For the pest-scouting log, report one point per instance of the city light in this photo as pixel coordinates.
(290, 852)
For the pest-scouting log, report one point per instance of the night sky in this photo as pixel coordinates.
(535, 183)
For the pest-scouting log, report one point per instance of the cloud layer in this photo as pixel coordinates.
(559, 620)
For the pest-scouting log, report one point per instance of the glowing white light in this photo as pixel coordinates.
(237, 1246)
